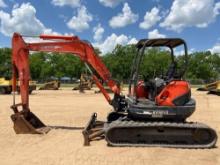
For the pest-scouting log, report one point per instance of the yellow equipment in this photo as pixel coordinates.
(6, 86)
(52, 85)
(212, 88)
(85, 83)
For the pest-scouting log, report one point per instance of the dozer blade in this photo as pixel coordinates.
(93, 130)
(28, 123)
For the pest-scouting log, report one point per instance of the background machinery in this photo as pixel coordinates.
(212, 88)
(86, 82)
(52, 85)
(153, 114)
(6, 86)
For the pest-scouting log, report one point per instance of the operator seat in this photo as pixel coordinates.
(156, 85)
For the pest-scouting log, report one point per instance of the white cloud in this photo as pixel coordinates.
(98, 32)
(179, 52)
(216, 9)
(2, 3)
(61, 3)
(110, 3)
(133, 41)
(22, 20)
(188, 13)
(111, 41)
(150, 18)
(215, 48)
(32, 26)
(123, 19)
(81, 21)
(155, 34)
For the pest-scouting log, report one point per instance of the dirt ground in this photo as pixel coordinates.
(68, 111)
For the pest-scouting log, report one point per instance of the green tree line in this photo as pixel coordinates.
(203, 66)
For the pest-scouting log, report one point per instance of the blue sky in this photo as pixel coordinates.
(106, 23)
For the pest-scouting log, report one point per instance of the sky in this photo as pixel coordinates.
(106, 23)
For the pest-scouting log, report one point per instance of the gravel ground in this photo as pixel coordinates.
(68, 111)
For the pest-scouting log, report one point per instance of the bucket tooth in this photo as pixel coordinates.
(28, 123)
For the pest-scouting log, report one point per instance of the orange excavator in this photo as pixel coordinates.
(153, 114)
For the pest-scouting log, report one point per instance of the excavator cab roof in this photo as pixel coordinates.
(171, 43)
(157, 42)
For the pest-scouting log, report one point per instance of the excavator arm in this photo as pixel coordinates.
(61, 44)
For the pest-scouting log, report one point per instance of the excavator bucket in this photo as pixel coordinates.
(28, 123)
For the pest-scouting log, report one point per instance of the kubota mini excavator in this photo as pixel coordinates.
(153, 114)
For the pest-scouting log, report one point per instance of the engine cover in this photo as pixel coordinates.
(176, 93)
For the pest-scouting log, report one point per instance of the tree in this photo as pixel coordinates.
(73, 66)
(119, 61)
(97, 51)
(155, 63)
(203, 65)
(5, 63)
(38, 67)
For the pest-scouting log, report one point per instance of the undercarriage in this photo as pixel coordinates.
(126, 132)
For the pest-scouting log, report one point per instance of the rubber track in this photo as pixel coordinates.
(129, 124)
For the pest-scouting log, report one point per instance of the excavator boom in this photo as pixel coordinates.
(62, 44)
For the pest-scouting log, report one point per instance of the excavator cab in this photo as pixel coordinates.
(157, 107)
(166, 97)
